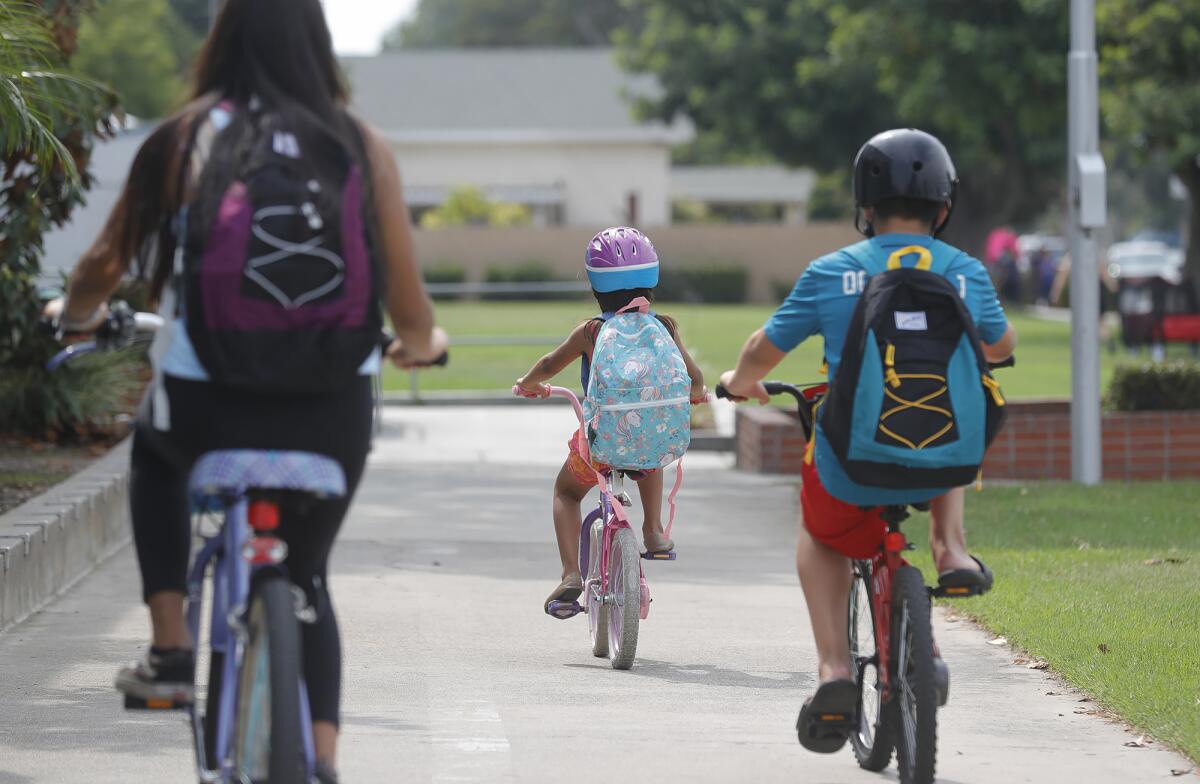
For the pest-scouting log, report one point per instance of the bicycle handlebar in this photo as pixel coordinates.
(562, 392)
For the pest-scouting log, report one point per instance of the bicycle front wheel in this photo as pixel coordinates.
(914, 694)
(597, 610)
(872, 740)
(268, 733)
(625, 598)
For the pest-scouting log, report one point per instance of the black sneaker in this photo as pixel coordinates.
(161, 677)
(326, 774)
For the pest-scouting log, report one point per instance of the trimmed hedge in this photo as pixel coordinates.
(709, 284)
(445, 273)
(1170, 386)
(531, 271)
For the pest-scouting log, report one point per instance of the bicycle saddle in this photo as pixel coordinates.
(232, 472)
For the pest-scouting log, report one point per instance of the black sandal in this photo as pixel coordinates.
(966, 582)
(828, 717)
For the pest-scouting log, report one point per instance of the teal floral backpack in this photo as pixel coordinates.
(637, 407)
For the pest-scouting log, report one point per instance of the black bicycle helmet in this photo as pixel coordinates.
(904, 163)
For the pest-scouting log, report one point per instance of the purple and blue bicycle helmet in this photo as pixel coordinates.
(621, 258)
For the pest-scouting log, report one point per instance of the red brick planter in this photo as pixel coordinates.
(1035, 444)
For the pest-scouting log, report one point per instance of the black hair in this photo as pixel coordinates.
(612, 301)
(908, 209)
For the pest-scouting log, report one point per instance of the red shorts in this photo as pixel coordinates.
(851, 530)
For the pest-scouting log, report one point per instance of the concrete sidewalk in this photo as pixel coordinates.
(453, 674)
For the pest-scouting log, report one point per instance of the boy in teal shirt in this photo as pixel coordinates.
(904, 187)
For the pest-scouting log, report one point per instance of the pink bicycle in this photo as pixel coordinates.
(615, 594)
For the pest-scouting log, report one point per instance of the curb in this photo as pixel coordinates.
(50, 542)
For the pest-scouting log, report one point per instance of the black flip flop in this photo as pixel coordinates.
(828, 717)
(966, 582)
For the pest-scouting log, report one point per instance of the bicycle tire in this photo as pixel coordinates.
(872, 741)
(914, 700)
(597, 610)
(212, 709)
(269, 689)
(625, 609)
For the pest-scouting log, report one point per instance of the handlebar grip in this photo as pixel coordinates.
(775, 387)
(1004, 363)
(721, 392)
(442, 360)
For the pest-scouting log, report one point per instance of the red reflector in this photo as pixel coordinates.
(895, 542)
(264, 515)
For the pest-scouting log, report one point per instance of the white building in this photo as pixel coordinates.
(549, 128)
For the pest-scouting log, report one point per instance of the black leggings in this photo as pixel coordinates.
(206, 418)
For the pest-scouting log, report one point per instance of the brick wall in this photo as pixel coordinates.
(1035, 444)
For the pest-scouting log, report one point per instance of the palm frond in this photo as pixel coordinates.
(38, 99)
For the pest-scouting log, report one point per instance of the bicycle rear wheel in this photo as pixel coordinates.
(625, 590)
(268, 730)
(872, 741)
(597, 610)
(914, 694)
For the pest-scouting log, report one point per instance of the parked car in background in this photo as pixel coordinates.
(1151, 286)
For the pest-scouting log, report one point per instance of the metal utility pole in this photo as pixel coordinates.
(1088, 211)
(213, 7)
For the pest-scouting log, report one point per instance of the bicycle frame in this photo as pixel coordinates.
(611, 508)
(229, 552)
(882, 567)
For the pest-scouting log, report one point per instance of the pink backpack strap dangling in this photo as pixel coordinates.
(641, 305)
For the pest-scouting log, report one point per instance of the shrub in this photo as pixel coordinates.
(445, 273)
(531, 271)
(781, 289)
(1172, 386)
(711, 284)
(79, 401)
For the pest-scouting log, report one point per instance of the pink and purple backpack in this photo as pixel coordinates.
(278, 279)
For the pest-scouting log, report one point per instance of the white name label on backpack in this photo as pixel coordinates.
(912, 322)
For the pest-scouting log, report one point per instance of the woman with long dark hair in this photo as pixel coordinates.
(266, 61)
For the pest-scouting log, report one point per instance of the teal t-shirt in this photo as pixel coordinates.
(822, 303)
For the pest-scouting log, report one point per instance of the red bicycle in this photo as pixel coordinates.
(897, 669)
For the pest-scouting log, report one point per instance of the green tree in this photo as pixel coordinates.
(810, 80)
(510, 23)
(195, 14)
(49, 121)
(141, 48)
(1150, 69)
(471, 207)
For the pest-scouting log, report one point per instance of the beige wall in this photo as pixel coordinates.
(770, 252)
(597, 179)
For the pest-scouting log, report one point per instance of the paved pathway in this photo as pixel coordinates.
(455, 675)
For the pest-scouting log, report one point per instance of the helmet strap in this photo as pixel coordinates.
(863, 227)
(937, 230)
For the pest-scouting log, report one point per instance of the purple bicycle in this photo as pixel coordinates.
(615, 594)
(256, 724)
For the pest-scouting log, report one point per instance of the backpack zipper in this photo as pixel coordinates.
(644, 404)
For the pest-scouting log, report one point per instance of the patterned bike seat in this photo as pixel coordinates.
(221, 475)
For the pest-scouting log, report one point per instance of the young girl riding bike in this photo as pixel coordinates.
(622, 266)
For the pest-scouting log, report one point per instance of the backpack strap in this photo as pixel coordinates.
(936, 258)
(641, 305)
(671, 498)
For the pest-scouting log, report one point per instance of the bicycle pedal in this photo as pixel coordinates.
(154, 704)
(563, 610)
(659, 556)
(954, 592)
(834, 722)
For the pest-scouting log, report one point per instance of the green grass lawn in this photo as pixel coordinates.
(1104, 584)
(713, 333)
